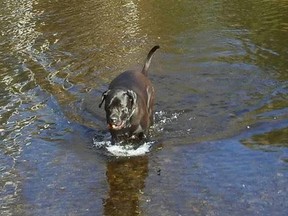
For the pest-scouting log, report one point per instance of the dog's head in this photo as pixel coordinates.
(120, 106)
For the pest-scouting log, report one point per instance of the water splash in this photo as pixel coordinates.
(129, 150)
(121, 149)
(162, 118)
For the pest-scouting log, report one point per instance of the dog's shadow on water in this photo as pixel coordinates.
(126, 179)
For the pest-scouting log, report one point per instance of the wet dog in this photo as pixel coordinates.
(129, 103)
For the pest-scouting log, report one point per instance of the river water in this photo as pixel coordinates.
(220, 141)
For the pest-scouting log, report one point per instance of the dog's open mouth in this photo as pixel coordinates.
(116, 126)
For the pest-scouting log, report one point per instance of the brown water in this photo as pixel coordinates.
(221, 133)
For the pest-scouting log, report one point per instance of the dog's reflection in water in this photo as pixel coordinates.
(126, 179)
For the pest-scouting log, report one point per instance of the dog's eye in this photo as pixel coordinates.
(124, 109)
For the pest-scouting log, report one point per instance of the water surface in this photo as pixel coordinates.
(220, 135)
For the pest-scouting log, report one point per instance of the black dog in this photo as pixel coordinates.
(129, 103)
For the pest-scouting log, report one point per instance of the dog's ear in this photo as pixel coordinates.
(104, 95)
(132, 97)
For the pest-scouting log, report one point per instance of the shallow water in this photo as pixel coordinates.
(220, 143)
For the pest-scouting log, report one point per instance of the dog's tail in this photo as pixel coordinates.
(148, 60)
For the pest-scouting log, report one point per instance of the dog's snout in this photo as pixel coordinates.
(115, 123)
(114, 119)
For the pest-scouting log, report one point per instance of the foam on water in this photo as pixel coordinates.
(120, 150)
(128, 150)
